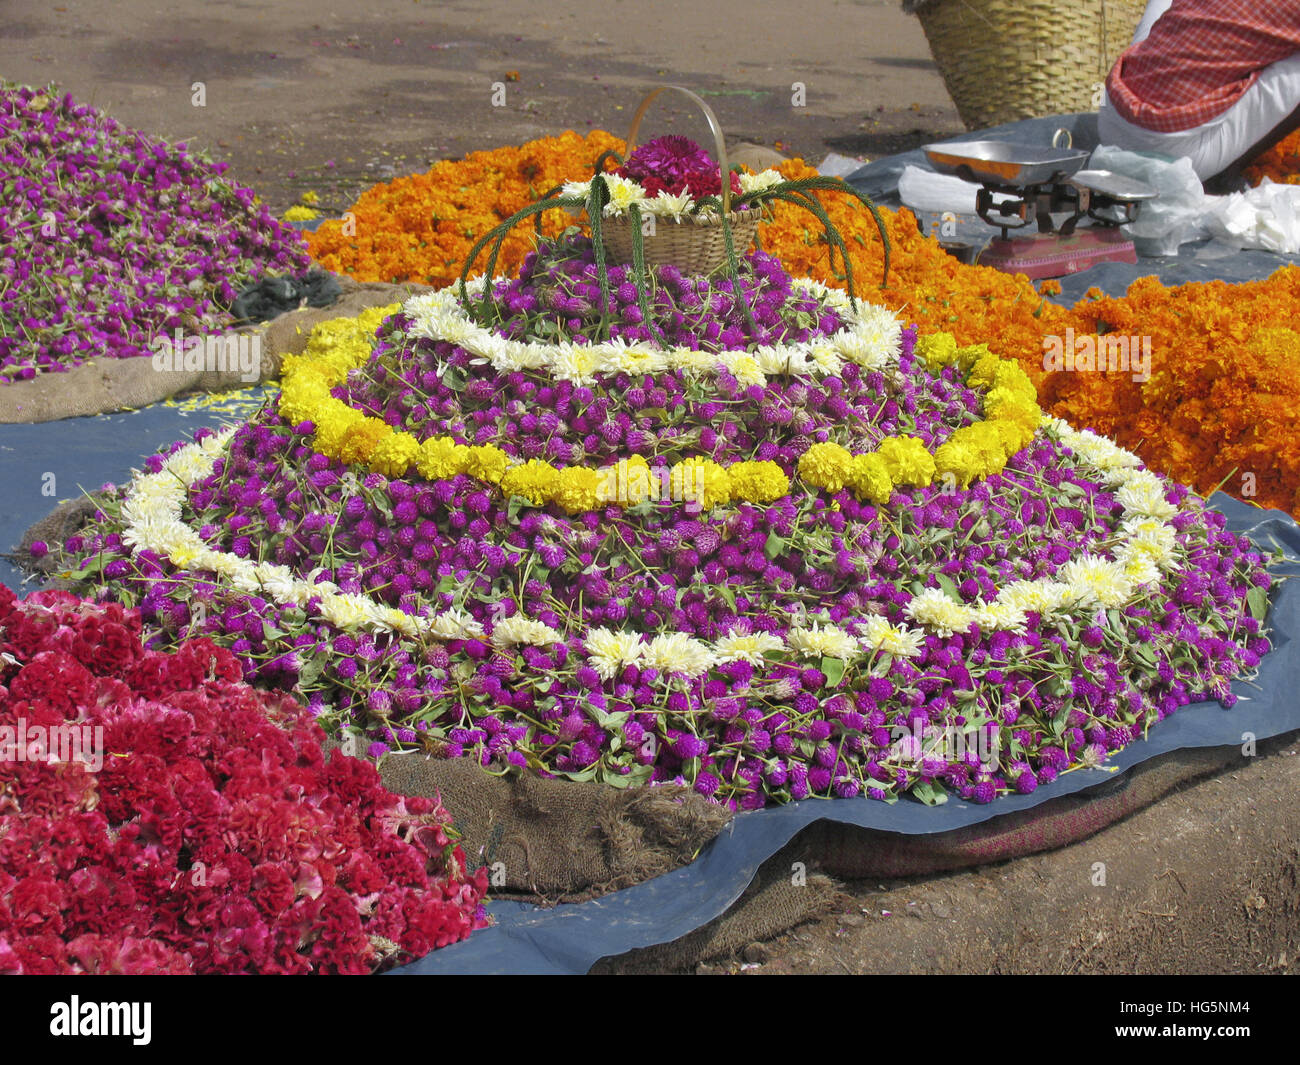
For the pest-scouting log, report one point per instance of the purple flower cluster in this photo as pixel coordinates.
(109, 237)
(557, 296)
(740, 734)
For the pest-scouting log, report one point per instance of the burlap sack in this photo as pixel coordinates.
(104, 385)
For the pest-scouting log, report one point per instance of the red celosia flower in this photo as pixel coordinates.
(215, 836)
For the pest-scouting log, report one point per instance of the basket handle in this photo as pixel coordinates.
(720, 148)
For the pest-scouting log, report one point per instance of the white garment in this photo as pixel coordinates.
(1154, 10)
(1220, 142)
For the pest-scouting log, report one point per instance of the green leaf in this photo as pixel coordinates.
(948, 588)
(930, 793)
(1257, 600)
(834, 670)
(774, 546)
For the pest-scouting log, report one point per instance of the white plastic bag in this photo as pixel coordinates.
(1179, 213)
(1267, 218)
(924, 190)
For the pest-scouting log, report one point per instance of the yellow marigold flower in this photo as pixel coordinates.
(758, 482)
(332, 425)
(701, 481)
(395, 454)
(297, 213)
(487, 463)
(938, 350)
(441, 458)
(972, 354)
(577, 492)
(1010, 376)
(869, 477)
(827, 466)
(360, 441)
(537, 481)
(982, 370)
(627, 482)
(907, 460)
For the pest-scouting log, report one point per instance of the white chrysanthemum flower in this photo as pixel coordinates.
(760, 182)
(1139, 570)
(1001, 616)
(933, 609)
(343, 611)
(623, 192)
(1143, 494)
(609, 652)
(456, 624)
(825, 357)
(575, 363)
(823, 641)
(700, 362)
(621, 357)
(576, 188)
(519, 629)
(751, 647)
(1095, 581)
(879, 635)
(746, 370)
(676, 652)
(881, 335)
(666, 205)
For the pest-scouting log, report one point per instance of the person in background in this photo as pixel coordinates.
(1217, 81)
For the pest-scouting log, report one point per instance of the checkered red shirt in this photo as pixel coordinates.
(1199, 59)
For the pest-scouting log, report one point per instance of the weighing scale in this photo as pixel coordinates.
(1025, 184)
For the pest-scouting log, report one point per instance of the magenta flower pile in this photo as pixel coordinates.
(110, 237)
(677, 166)
(428, 574)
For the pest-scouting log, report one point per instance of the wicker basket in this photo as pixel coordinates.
(1004, 60)
(692, 245)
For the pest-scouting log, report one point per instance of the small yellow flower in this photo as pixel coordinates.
(869, 478)
(487, 463)
(827, 466)
(758, 482)
(534, 480)
(395, 454)
(578, 489)
(441, 458)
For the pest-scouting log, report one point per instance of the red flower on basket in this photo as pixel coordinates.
(158, 815)
(676, 166)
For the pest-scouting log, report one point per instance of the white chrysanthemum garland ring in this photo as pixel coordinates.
(1143, 548)
(871, 338)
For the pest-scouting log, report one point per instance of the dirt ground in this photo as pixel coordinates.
(303, 95)
(1205, 881)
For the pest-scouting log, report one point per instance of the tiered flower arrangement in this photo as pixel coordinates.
(777, 554)
(109, 237)
(973, 303)
(195, 826)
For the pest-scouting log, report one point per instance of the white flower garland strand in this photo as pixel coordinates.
(872, 337)
(1146, 545)
(624, 192)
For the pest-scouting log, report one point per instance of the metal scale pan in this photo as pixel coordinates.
(1005, 164)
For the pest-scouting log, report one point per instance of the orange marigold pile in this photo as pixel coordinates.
(1281, 163)
(420, 228)
(1217, 410)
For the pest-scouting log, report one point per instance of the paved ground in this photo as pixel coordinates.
(301, 94)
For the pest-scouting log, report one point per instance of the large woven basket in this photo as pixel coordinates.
(1004, 60)
(692, 245)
